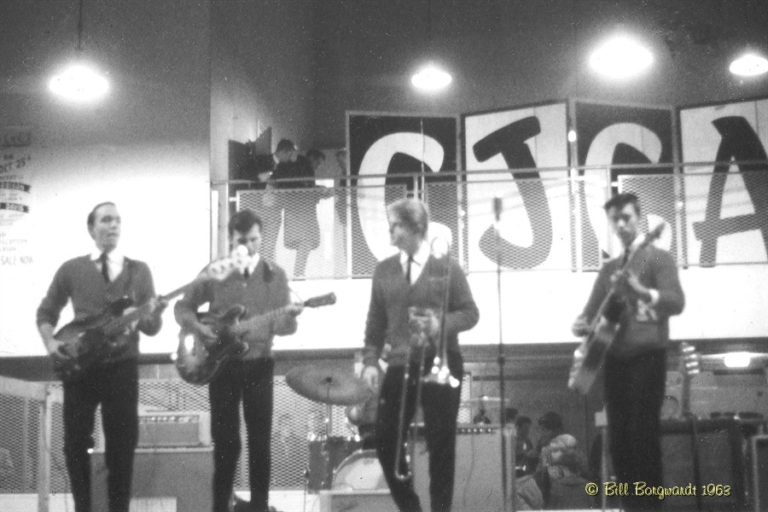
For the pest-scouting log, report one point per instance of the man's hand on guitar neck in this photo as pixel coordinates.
(628, 285)
(285, 323)
(150, 320)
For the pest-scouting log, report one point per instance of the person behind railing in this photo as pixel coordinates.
(301, 230)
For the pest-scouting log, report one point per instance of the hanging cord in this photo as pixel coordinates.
(80, 26)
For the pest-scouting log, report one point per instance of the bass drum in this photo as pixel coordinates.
(360, 471)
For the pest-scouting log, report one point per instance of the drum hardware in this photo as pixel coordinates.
(330, 387)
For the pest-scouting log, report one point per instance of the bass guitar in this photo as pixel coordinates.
(199, 359)
(96, 338)
(589, 357)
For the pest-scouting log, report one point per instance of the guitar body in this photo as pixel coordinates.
(593, 350)
(590, 356)
(88, 341)
(199, 359)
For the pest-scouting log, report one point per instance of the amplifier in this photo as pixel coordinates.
(174, 429)
(477, 479)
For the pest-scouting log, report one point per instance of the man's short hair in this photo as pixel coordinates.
(412, 213)
(92, 215)
(313, 154)
(243, 221)
(619, 201)
(285, 145)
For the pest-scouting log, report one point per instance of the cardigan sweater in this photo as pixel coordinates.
(392, 295)
(80, 280)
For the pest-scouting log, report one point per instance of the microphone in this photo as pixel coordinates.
(497, 208)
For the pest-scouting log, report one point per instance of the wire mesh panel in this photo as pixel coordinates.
(657, 195)
(534, 227)
(17, 450)
(302, 228)
(445, 218)
(726, 217)
(370, 230)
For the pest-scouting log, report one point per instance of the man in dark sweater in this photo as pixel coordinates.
(416, 278)
(92, 282)
(260, 287)
(647, 294)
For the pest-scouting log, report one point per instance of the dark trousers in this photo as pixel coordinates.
(116, 387)
(634, 391)
(440, 405)
(251, 382)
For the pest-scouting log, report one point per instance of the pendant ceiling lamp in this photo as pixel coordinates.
(749, 64)
(79, 81)
(621, 57)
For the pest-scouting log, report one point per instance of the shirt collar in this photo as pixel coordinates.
(420, 257)
(253, 261)
(113, 256)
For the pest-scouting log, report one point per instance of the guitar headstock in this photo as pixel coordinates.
(321, 300)
(220, 269)
(653, 235)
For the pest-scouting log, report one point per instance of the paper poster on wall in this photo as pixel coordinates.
(534, 229)
(624, 135)
(383, 146)
(17, 172)
(725, 203)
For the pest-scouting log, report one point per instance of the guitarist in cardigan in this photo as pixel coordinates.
(647, 294)
(260, 287)
(92, 282)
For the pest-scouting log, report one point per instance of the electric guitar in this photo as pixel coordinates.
(589, 357)
(199, 359)
(95, 338)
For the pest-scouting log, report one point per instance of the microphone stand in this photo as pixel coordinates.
(507, 505)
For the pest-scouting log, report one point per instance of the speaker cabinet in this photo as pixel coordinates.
(759, 455)
(477, 480)
(185, 474)
(718, 444)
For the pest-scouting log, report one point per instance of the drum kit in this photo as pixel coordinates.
(338, 462)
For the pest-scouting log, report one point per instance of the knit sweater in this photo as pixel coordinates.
(265, 290)
(392, 295)
(80, 281)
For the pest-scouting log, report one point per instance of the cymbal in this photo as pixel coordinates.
(327, 385)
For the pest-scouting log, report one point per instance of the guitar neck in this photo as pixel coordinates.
(120, 323)
(253, 322)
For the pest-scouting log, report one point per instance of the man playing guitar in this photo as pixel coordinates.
(645, 295)
(92, 282)
(260, 287)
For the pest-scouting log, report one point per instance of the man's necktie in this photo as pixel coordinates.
(104, 267)
(246, 273)
(625, 258)
(408, 269)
